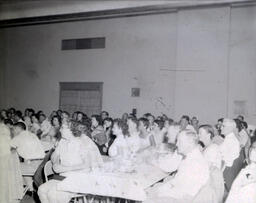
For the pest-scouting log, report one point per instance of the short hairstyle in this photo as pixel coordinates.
(42, 115)
(35, 115)
(12, 109)
(231, 122)
(65, 112)
(74, 129)
(97, 118)
(244, 124)
(18, 113)
(144, 121)
(105, 113)
(79, 112)
(20, 125)
(185, 117)
(190, 134)
(39, 113)
(134, 120)
(109, 119)
(146, 115)
(220, 120)
(170, 121)
(151, 115)
(241, 117)
(238, 124)
(209, 129)
(121, 124)
(32, 111)
(8, 121)
(58, 118)
(160, 123)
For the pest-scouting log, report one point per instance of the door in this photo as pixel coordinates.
(81, 96)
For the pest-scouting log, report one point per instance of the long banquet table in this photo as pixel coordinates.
(119, 183)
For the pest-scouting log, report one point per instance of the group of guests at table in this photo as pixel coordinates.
(218, 163)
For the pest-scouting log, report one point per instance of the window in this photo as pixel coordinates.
(85, 43)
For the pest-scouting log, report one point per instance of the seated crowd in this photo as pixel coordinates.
(218, 162)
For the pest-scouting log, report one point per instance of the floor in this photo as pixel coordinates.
(28, 198)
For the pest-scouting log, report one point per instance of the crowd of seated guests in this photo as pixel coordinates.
(223, 152)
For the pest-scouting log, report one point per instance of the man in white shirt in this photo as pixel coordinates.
(230, 150)
(193, 173)
(243, 189)
(26, 143)
(184, 123)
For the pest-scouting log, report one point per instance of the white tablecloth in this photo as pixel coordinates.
(117, 184)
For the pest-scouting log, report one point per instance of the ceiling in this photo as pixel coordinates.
(24, 12)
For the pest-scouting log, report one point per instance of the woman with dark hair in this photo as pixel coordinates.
(59, 112)
(74, 116)
(54, 133)
(80, 116)
(168, 122)
(4, 114)
(53, 113)
(26, 112)
(65, 118)
(28, 122)
(11, 112)
(108, 125)
(98, 134)
(146, 138)
(119, 149)
(35, 128)
(125, 117)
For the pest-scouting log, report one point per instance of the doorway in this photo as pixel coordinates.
(81, 96)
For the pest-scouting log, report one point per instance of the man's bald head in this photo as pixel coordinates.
(228, 126)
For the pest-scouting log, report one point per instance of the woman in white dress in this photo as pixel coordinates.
(146, 139)
(133, 138)
(119, 149)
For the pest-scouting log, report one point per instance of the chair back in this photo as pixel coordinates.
(48, 170)
(205, 194)
(217, 183)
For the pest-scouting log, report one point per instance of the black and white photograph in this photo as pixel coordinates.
(127, 101)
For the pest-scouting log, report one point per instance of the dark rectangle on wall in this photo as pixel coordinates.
(85, 43)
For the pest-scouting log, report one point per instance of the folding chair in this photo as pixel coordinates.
(48, 171)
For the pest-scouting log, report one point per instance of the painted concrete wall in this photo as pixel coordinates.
(136, 48)
(181, 61)
(242, 67)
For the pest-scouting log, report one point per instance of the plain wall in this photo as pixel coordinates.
(242, 62)
(184, 63)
